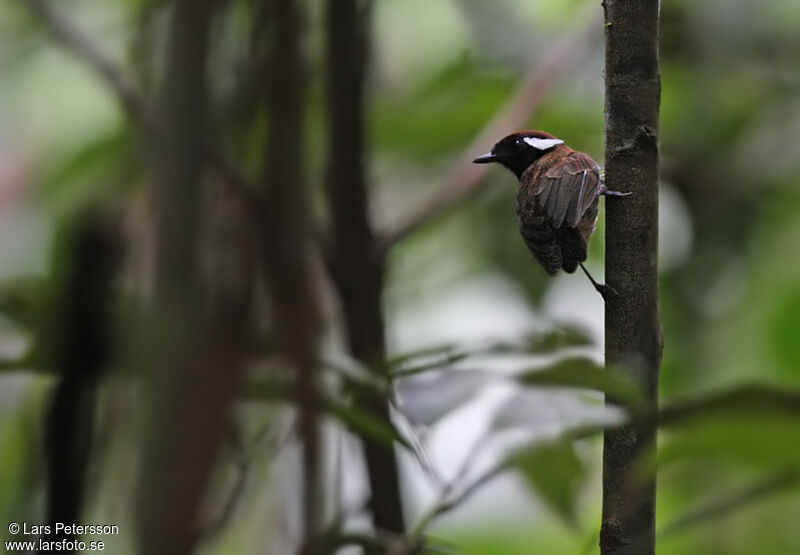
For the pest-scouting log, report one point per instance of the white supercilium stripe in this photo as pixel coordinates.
(542, 144)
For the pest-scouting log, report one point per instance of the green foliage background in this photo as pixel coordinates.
(730, 299)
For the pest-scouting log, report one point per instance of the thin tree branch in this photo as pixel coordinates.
(451, 495)
(133, 103)
(230, 502)
(733, 501)
(245, 456)
(464, 178)
(288, 240)
(72, 38)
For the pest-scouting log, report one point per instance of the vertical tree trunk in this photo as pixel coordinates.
(633, 331)
(198, 338)
(355, 259)
(287, 240)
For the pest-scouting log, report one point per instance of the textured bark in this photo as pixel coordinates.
(633, 332)
(288, 238)
(355, 259)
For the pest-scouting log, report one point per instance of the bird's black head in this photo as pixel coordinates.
(520, 150)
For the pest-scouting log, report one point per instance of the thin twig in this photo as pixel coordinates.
(420, 449)
(72, 38)
(445, 502)
(230, 502)
(446, 499)
(464, 178)
(133, 103)
(245, 456)
(736, 500)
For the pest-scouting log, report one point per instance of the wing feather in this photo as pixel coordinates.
(567, 189)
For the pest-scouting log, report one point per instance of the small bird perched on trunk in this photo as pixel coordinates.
(557, 198)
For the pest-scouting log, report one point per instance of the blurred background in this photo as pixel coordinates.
(464, 305)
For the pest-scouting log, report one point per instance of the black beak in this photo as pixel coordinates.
(487, 158)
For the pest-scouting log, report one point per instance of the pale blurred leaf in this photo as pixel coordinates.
(550, 413)
(437, 357)
(426, 400)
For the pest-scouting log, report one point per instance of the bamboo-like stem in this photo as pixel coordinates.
(196, 369)
(287, 239)
(354, 257)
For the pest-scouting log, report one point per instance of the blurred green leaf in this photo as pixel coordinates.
(750, 399)
(423, 125)
(555, 472)
(357, 381)
(21, 300)
(28, 361)
(751, 424)
(442, 361)
(582, 372)
(359, 421)
(731, 502)
(97, 168)
(28, 303)
(18, 476)
(762, 440)
(437, 357)
(269, 389)
(437, 350)
(365, 424)
(562, 337)
(784, 331)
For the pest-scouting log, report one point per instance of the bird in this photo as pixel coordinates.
(557, 198)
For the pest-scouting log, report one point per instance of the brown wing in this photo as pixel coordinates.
(566, 190)
(574, 241)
